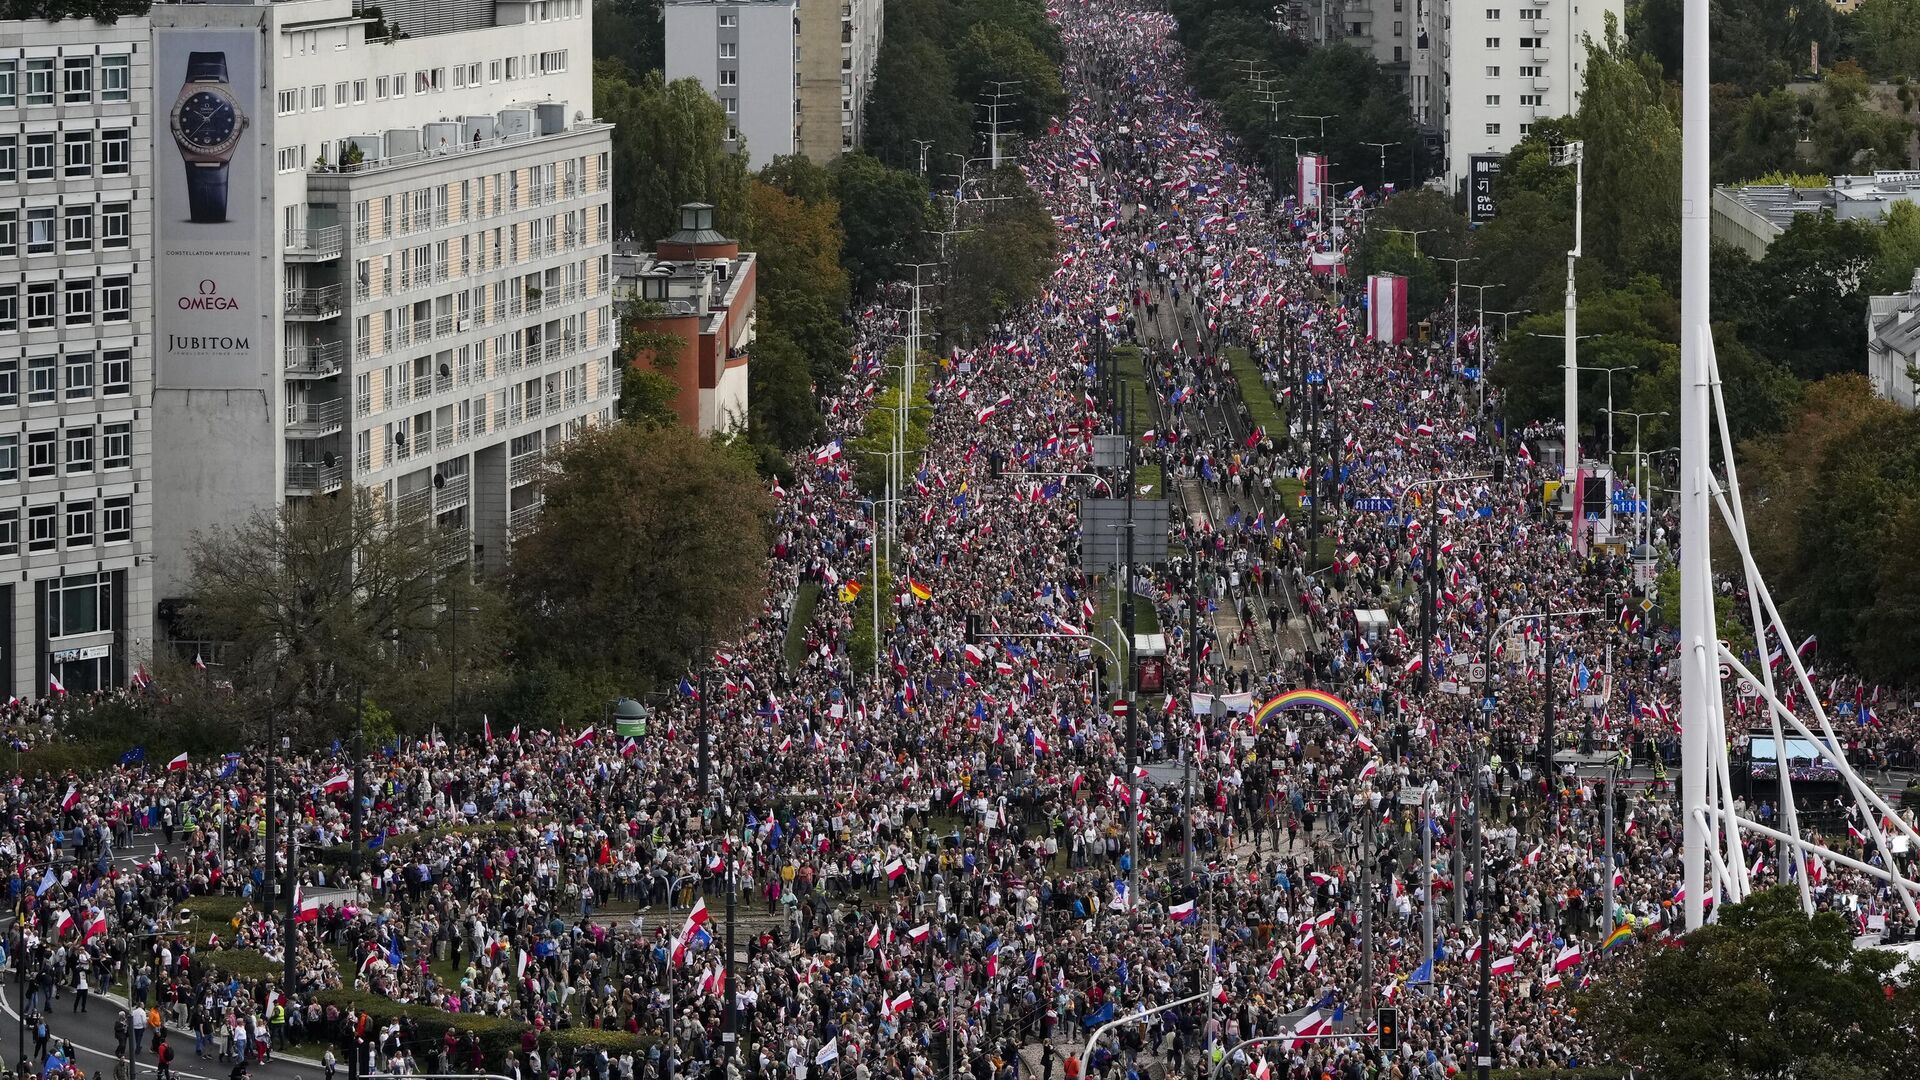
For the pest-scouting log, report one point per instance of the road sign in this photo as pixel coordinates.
(1646, 605)
(1305, 499)
(1315, 378)
(1487, 705)
(1477, 672)
(1120, 707)
(1374, 506)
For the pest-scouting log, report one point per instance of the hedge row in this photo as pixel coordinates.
(499, 1035)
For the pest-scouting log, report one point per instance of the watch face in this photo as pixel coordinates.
(207, 120)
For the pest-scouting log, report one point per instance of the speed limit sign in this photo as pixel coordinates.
(1477, 672)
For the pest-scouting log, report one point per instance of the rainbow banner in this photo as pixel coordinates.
(1309, 699)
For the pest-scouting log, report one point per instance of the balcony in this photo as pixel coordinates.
(1542, 53)
(454, 547)
(522, 521)
(312, 420)
(451, 494)
(315, 361)
(1543, 26)
(414, 505)
(315, 245)
(1543, 82)
(314, 477)
(314, 305)
(524, 469)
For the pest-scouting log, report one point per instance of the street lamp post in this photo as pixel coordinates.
(1382, 147)
(1639, 466)
(1480, 338)
(1432, 572)
(1453, 347)
(1572, 153)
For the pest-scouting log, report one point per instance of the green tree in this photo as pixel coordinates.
(1899, 249)
(1001, 262)
(1763, 992)
(313, 603)
(668, 149)
(1888, 36)
(1755, 135)
(1633, 332)
(1631, 126)
(802, 285)
(632, 33)
(780, 392)
(914, 98)
(1849, 132)
(1814, 296)
(992, 52)
(650, 542)
(883, 213)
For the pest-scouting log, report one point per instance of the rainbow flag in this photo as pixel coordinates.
(1621, 933)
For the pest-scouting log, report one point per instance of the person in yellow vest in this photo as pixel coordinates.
(277, 1023)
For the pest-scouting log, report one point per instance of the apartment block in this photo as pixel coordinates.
(1505, 67)
(701, 288)
(384, 260)
(76, 355)
(794, 72)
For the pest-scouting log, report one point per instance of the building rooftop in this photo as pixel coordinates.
(1847, 196)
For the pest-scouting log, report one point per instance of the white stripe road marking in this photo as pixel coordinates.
(140, 1067)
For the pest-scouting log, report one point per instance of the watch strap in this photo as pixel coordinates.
(207, 193)
(207, 67)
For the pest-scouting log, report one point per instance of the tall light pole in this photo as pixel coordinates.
(1382, 147)
(1639, 461)
(1573, 154)
(1696, 400)
(1480, 340)
(1608, 408)
(1454, 345)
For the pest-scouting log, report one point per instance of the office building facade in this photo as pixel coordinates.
(792, 76)
(76, 340)
(1505, 67)
(384, 260)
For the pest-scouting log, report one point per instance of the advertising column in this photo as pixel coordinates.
(1387, 307)
(1312, 177)
(206, 210)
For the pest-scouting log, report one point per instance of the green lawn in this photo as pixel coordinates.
(1265, 411)
(803, 604)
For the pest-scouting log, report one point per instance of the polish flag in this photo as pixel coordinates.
(1533, 857)
(199, 662)
(97, 926)
(1551, 982)
(896, 870)
(72, 797)
(873, 937)
(54, 687)
(1366, 771)
(1568, 957)
(306, 908)
(1525, 944)
(1306, 1027)
(178, 764)
(336, 783)
(486, 730)
(583, 738)
(1505, 965)
(1278, 964)
(1182, 912)
(920, 933)
(901, 1002)
(64, 923)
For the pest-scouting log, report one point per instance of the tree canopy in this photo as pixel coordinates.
(1763, 992)
(669, 148)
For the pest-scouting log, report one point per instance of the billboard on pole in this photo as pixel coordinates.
(1481, 171)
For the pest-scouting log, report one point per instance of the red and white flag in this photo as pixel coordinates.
(178, 764)
(1568, 957)
(72, 797)
(583, 738)
(901, 1002)
(1505, 965)
(336, 783)
(920, 933)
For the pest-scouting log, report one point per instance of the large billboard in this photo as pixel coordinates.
(1482, 169)
(207, 209)
(1312, 174)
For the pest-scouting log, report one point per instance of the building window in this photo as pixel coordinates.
(40, 152)
(80, 603)
(729, 50)
(116, 372)
(116, 151)
(9, 320)
(76, 87)
(1493, 71)
(116, 78)
(79, 376)
(729, 78)
(287, 102)
(43, 298)
(9, 158)
(116, 225)
(43, 528)
(1525, 129)
(9, 381)
(9, 458)
(116, 298)
(79, 303)
(79, 450)
(40, 228)
(1493, 43)
(116, 519)
(1493, 100)
(43, 453)
(78, 159)
(513, 68)
(40, 81)
(459, 76)
(9, 532)
(1493, 129)
(359, 91)
(1529, 13)
(731, 105)
(380, 88)
(77, 228)
(729, 20)
(1530, 99)
(1529, 42)
(288, 158)
(1530, 71)
(553, 62)
(80, 523)
(1493, 14)
(9, 231)
(116, 447)
(9, 83)
(493, 71)
(339, 94)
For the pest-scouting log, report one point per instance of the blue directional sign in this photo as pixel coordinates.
(1315, 378)
(1623, 504)
(1486, 705)
(1374, 506)
(1471, 374)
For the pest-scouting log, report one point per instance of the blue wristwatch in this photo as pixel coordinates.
(206, 121)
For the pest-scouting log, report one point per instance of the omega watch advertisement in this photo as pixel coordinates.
(207, 206)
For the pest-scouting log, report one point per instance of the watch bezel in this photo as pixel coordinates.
(224, 146)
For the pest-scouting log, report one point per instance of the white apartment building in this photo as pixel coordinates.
(747, 55)
(1504, 67)
(384, 260)
(76, 340)
(1383, 28)
(794, 72)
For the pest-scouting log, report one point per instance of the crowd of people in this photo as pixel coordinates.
(952, 854)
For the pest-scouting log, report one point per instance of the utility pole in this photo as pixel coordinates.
(1187, 753)
(1483, 899)
(1426, 873)
(1367, 887)
(1382, 147)
(997, 101)
(1453, 347)
(1607, 882)
(924, 145)
(1480, 342)
(1126, 616)
(1573, 154)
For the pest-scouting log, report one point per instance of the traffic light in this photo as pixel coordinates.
(1389, 1021)
(973, 628)
(1499, 470)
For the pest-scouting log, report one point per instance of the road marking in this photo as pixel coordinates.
(140, 1068)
